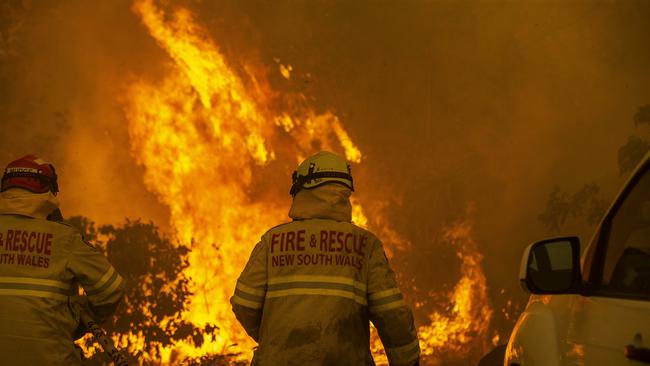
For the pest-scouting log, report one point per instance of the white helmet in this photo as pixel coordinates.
(323, 167)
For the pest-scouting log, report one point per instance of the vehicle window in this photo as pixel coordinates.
(627, 261)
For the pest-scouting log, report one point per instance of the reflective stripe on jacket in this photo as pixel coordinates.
(311, 287)
(41, 263)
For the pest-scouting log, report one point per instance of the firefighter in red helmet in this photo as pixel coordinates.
(41, 263)
(311, 286)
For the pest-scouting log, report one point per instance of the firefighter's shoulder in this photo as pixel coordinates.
(73, 232)
(266, 237)
(63, 223)
(371, 236)
(276, 227)
(63, 226)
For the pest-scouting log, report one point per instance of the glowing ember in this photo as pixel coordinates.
(203, 135)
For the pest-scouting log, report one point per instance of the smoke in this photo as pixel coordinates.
(65, 70)
(454, 104)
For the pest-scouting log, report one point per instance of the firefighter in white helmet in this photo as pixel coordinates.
(41, 263)
(311, 286)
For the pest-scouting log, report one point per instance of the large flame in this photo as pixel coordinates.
(462, 328)
(203, 134)
(459, 329)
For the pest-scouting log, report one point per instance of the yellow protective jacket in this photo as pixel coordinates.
(311, 286)
(41, 263)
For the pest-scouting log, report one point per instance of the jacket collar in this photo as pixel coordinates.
(18, 201)
(329, 201)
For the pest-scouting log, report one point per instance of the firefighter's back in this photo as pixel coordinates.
(41, 263)
(35, 321)
(311, 286)
(315, 310)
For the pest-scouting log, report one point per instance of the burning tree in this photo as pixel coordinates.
(157, 290)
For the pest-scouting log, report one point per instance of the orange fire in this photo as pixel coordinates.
(205, 134)
(466, 321)
(462, 326)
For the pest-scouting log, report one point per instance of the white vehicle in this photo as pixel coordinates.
(595, 311)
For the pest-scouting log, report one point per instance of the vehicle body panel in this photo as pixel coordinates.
(534, 339)
(590, 328)
(602, 327)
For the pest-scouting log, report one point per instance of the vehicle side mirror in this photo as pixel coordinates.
(552, 266)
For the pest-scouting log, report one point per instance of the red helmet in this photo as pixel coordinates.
(32, 174)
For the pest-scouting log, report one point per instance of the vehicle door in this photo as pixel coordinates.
(610, 325)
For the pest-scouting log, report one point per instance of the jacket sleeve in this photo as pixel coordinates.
(101, 282)
(250, 291)
(389, 313)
